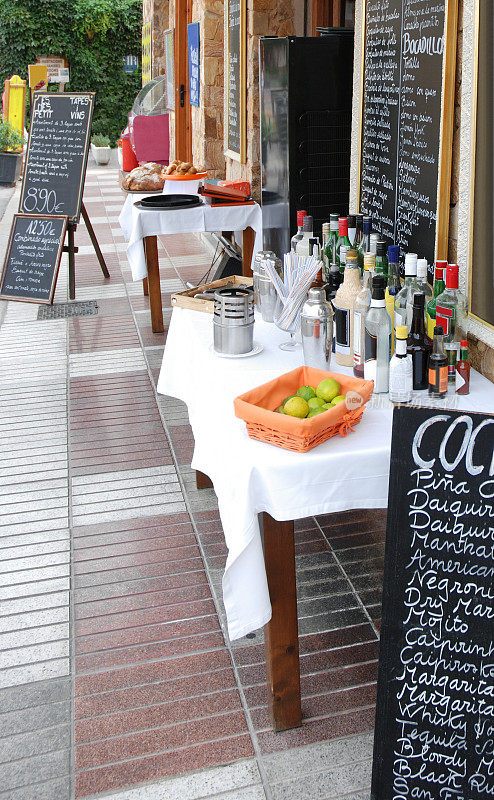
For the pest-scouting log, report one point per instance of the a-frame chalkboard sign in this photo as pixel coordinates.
(55, 166)
(434, 734)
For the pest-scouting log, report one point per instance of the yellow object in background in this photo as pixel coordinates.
(390, 308)
(15, 102)
(38, 78)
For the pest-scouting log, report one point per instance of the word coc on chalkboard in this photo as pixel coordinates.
(434, 737)
(57, 153)
(33, 257)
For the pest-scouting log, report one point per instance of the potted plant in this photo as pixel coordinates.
(11, 143)
(100, 148)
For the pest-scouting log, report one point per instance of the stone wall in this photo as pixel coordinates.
(156, 12)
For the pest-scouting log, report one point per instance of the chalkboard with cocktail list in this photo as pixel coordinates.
(434, 736)
(235, 80)
(57, 152)
(408, 99)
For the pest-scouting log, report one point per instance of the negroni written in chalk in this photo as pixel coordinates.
(33, 257)
(57, 154)
(435, 710)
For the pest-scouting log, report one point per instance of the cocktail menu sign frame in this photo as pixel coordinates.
(57, 152)
(408, 73)
(236, 80)
(434, 736)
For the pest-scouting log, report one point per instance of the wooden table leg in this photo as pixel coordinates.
(154, 286)
(203, 481)
(145, 287)
(281, 632)
(248, 239)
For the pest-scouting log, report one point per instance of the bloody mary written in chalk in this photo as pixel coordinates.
(57, 153)
(33, 257)
(434, 735)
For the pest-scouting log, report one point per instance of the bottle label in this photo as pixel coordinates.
(459, 380)
(431, 323)
(343, 251)
(438, 379)
(400, 380)
(451, 355)
(446, 318)
(342, 325)
(370, 362)
(357, 337)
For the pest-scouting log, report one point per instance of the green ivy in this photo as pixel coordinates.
(93, 35)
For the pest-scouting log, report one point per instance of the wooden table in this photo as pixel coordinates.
(281, 632)
(152, 284)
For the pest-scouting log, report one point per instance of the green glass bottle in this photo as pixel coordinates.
(330, 246)
(343, 241)
(381, 260)
(439, 287)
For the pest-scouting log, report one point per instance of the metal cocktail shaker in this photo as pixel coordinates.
(317, 330)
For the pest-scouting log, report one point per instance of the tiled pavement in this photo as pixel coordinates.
(115, 673)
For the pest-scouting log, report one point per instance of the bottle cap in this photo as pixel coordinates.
(438, 330)
(452, 276)
(325, 227)
(334, 217)
(343, 226)
(393, 253)
(367, 224)
(378, 287)
(351, 255)
(308, 224)
(411, 264)
(369, 260)
(401, 332)
(419, 300)
(351, 221)
(381, 248)
(359, 218)
(422, 268)
(441, 264)
(333, 224)
(464, 344)
(300, 218)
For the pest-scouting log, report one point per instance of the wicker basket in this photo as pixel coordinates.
(301, 435)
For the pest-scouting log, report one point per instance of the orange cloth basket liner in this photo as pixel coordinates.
(301, 435)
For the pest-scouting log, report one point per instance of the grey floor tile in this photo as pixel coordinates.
(49, 766)
(38, 694)
(58, 789)
(330, 783)
(28, 745)
(317, 757)
(24, 720)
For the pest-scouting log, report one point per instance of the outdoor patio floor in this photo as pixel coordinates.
(115, 670)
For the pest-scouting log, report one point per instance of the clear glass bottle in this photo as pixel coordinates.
(377, 338)
(404, 298)
(373, 240)
(419, 344)
(298, 236)
(438, 365)
(343, 241)
(381, 260)
(325, 231)
(361, 306)
(401, 370)
(462, 378)
(303, 247)
(352, 229)
(422, 284)
(359, 231)
(451, 313)
(439, 287)
(364, 245)
(394, 285)
(343, 310)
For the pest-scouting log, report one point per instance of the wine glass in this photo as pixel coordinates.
(291, 327)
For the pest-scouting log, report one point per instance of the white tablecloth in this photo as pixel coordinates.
(137, 223)
(249, 476)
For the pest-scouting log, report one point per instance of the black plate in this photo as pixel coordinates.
(165, 202)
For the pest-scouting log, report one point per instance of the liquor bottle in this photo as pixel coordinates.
(298, 236)
(343, 241)
(314, 247)
(439, 287)
(438, 365)
(377, 339)
(462, 378)
(401, 370)
(325, 230)
(360, 308)
(343, 310)
(381, 260)
(364, 246)
(451, 313)
(318, 282)
(404, 298)
(359, 231)
(330, 247)
(422, 285)
(303, 246)
(419, 344)
(394, 285)
(352, 228)
(373, 240)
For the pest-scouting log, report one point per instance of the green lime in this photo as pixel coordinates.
(288, 398)
(327, 406)
(296, 407)
(327, 389)
(338, 399)
(307, 392)
(315, 402)
(315, 412)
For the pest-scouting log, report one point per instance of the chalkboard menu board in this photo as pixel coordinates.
(407, 122)
(33, 258)
(434, 735)
(236, 80)
(57, 154)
